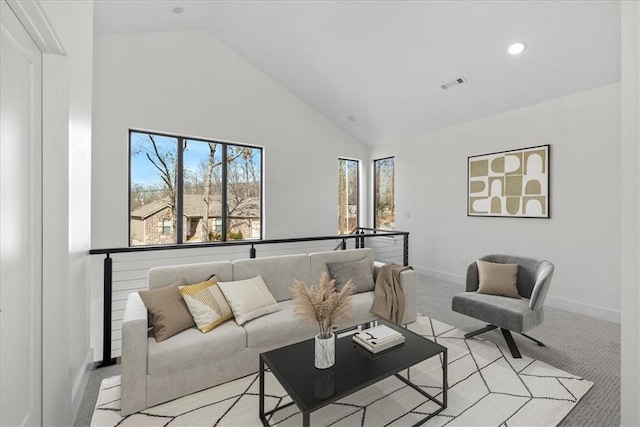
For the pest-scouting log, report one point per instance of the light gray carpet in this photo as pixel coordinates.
(83, 417)
(487, 387)
(582, 345)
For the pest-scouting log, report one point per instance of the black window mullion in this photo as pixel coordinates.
(261, 194)
(179, 196)
(223, 209)
(129, 199)
(375, 194)
(357, 194)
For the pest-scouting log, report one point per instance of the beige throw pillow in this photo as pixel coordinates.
(206, 303)
(169, 313)
(249, 298)
(498, 279)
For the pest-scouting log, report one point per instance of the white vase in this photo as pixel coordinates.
(325, 352)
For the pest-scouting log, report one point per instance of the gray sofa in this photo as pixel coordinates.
(190, 361)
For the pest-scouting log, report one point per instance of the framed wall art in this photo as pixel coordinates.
(512, 183)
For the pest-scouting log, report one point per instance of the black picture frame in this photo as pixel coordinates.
(510, 184)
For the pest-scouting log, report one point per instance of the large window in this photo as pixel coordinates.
(384, 193)
(348, 195)
(184, 190)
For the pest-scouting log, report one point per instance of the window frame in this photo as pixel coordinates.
(375, 190)
(358, 189)
(179, 223)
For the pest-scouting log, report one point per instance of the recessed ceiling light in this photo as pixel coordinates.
(516, 48)
(177, 10)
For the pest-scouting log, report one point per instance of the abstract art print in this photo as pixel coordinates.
(512, 183)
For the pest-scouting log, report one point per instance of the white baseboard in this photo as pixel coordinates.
(590, 310)
(573, 306)
(440, 275)
(80, 383)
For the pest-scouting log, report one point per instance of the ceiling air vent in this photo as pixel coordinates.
(455, 82)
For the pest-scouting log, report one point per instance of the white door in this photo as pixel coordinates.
(20, 225)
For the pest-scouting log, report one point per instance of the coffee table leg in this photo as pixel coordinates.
(305, 419)
(261, 398)
(445, 386)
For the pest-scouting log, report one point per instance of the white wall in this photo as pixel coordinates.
(582, 238)
(67, 92)
(188, 83)
(630, 184)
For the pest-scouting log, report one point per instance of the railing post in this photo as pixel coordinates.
(252, 252)
(406, 249)
(106, 316)
(344, 244)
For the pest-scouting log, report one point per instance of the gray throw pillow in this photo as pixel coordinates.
(360, 272)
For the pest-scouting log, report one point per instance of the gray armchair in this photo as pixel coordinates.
(508, 314)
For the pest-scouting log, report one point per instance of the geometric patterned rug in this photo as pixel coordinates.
(487, 387)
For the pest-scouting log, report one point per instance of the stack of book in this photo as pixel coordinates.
(378, 338)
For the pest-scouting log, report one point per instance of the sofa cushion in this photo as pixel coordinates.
(279, 329)
(249, 298)
(169, 313)
(359, 272)
(284, 327)
(206, 303)
(362, 304)
(192, 348)
(277, 272)
(191, 273)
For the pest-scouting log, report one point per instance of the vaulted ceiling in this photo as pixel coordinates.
(375, 68)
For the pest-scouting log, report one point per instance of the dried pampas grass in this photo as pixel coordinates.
(322, 303)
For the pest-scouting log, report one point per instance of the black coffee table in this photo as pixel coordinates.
(311, 388)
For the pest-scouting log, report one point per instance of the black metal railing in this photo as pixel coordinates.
(359, 236)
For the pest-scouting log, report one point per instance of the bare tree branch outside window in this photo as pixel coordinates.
(384, 193)
(348, 194)
(154, 190)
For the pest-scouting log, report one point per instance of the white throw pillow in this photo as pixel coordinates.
(248, 298)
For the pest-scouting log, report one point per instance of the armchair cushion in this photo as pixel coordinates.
(498, 279)
(508, 313)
